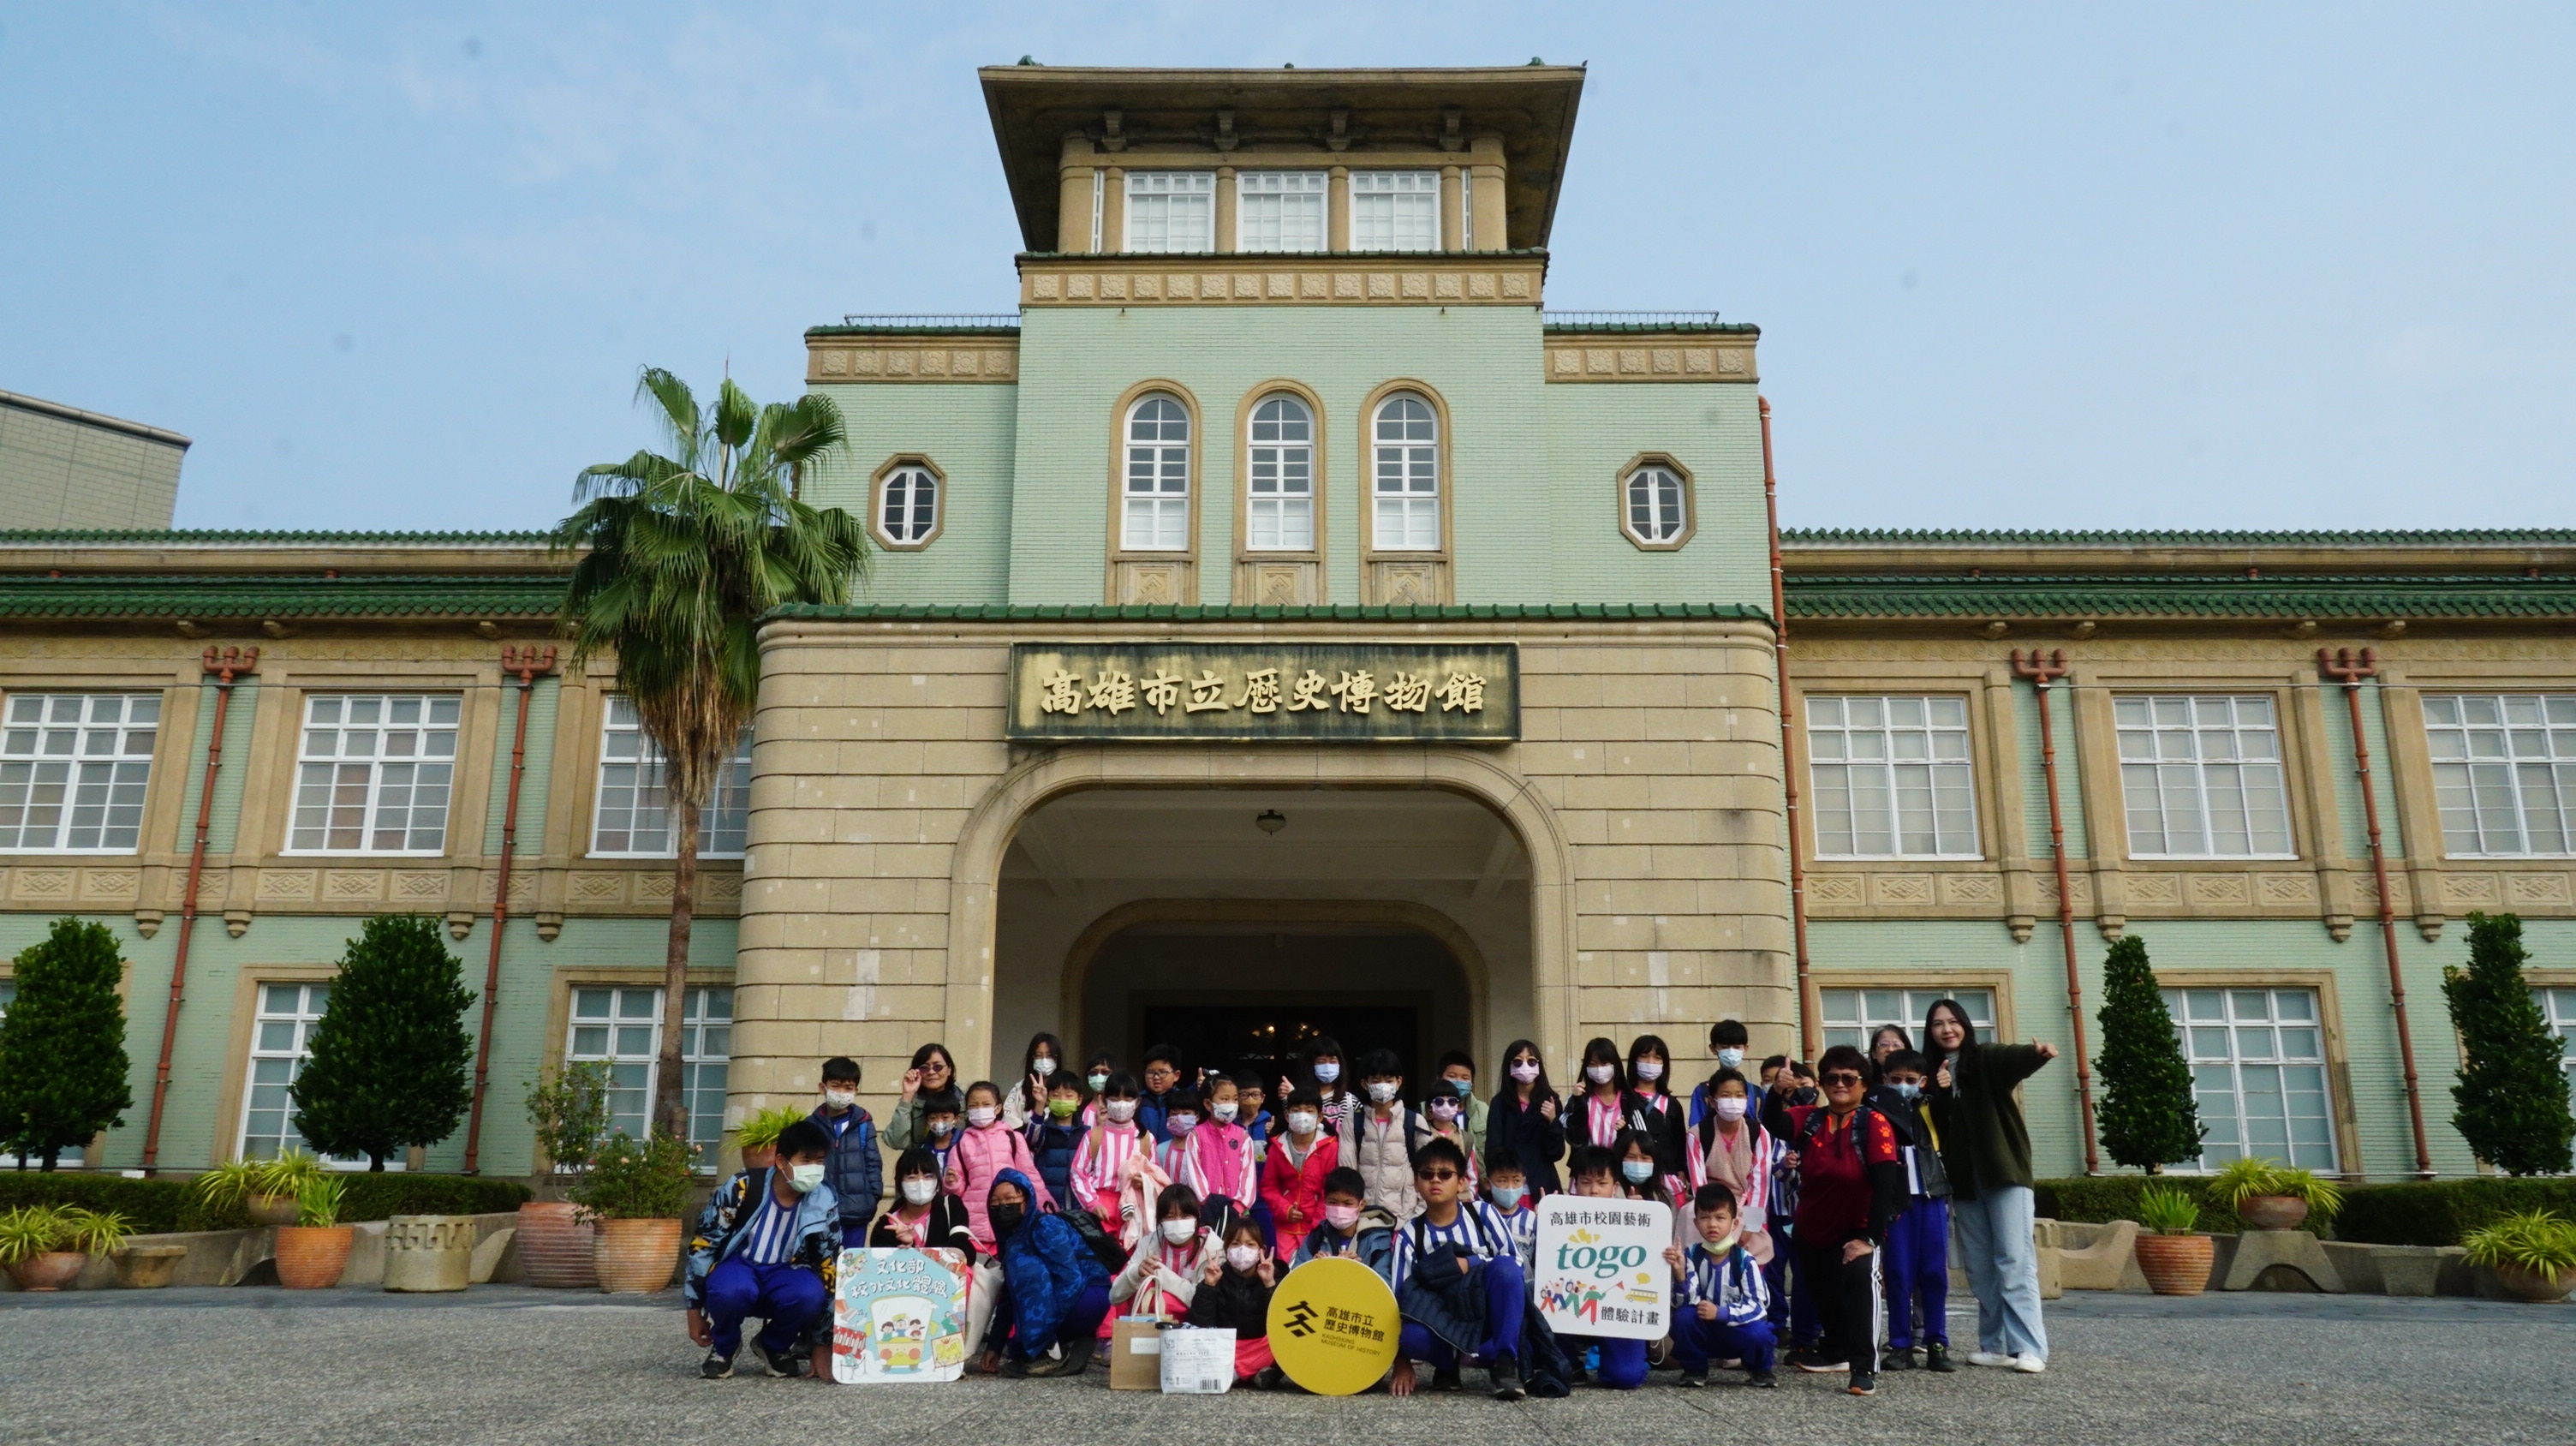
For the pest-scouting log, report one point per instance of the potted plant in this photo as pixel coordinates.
(2173, 1256)
(266, 1190)
(636, 1190)
(759, 1135)
(47, 1246)
(2274, 1197)
(2532, 1252)
(556, 1243)
(313, 1251)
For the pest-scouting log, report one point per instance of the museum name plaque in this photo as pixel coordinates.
(1270, 692)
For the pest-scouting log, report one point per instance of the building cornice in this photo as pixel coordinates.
(1412, 278)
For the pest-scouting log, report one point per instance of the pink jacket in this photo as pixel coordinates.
(977, 1157)
(1224, 1154)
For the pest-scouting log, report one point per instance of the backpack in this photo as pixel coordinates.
(1815, 1126)
(1111, 1255)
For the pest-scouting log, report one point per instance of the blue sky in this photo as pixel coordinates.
(2071, 266)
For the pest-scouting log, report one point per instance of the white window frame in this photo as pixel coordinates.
(312, 999)
(103, 763)
(2501, 779)
(2558, 1008)
(70, 1156)
(1279, 478)
(1174, 208)
(1407, 460)
(1655, 506)
(2228, 1028)
(1387, 205)
(901, 525)
(1159, 461)
(1277, 202)
(1900, 755)
(625, 747)
(2157, 771)
(1851, 1013)
(630, 1044)
(433, 733)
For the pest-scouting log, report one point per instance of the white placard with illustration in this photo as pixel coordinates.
(1600, 1269)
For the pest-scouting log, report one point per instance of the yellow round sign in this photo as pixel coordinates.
(1333, 1326)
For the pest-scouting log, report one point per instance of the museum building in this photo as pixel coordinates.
(1282, 624)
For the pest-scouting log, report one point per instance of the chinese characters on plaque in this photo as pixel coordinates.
(1357, 692)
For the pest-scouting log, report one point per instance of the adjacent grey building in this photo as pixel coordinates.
(61, 467)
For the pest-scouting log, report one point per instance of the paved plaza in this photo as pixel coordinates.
(521, 1366)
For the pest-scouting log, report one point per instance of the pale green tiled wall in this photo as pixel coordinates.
(1711, 429)
(2374, 731)
(542, 701)
(2034, 779)
(238, 716)
(966, 428)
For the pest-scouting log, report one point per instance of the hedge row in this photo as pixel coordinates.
(2425, 1212)
(158, 1206)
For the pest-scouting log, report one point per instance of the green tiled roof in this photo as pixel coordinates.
(1343, 612)
(2047, 537)
(2179, 596)
(25, 595)
(191, 537)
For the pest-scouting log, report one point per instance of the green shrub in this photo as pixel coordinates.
(2532, 1240)
(391, 1061)
(156, 1207)
(2444, 1212)
(2148, 1117)
(2512, 1093)
(646, 1179)
(2115, 1197)
(2168, 1210)
(63, 1071)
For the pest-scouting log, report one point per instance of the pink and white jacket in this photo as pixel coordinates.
(978, 1156)
(1100, 1167)
(1220, 1157)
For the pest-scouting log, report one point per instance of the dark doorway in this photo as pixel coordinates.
(1267, 1036)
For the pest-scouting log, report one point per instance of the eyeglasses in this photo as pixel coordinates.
(1842, 1077)
(1437, 1175)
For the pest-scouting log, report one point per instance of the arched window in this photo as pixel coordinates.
(1407, 475)
(1280, 514)
(1158, 476)
(1658, 511)
(908, 506)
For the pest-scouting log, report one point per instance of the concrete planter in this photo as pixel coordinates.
(2272, 1212)
(556, 1246)
(2535, 1287)
(429, 1252)
(637, 1257)
(51, 1270)
(2176, 1264)
(148, 1267)
(311, 1257)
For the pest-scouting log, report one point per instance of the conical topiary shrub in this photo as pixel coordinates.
(2147, 1116)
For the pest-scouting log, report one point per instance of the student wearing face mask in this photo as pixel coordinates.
(766, 1246)
(1163, 1275)
(1593, 1173)
(1095, 1078)
(1107, 1156)
(1380, 1139)
(1448, 1116)
(1735, 1151)
(855, 1171)
(941, 1117)
(1055, 1132)
(1526, 1120)
(1458, 1076)
(1055, 1291)
(1339, 1231)
(1178, 1155)
(1294, 1172)
(1027, 1097)
(984, 1149)
(1320, 1070)
(923, 1216)
(1917, 1268)
(1602, 1114)
(1507, 1190)
(1652, 1112)
(1234, 1295)
(1726, 1040)
(1223, 1149)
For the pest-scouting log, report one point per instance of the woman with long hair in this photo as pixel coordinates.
(1526, 1121)
(1985, 1149)
(1027, 1098)
(933, 1073)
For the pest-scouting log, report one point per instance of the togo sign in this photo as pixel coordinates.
(1600, 1267)
(1304, 692)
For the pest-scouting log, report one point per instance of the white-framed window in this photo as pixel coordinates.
(73, 767)
(1395, 210)
(1171, 212)
(908, 506)
(2557, 1005)
(373, 773)
(1279, 515)
(2504, 773)
(621, 1026)
(1279, 210)
(73, 1156)
(2201, 776)
(1157, 514)
(1406, 450)
(2258, 1073)
(1658, 507)
(1851, 1016)
(1892, 777)
(635, 819)
(281, 1041)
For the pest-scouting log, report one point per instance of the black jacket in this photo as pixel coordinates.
(1533, 1140)
(948, 1227)
(1240, 1303)
(1665, 1126)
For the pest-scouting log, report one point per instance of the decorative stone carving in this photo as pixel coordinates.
(420, 886)
(110, 886)
(1900, 888)
(1681, 357)
(1468, 279)
(44, 883)
(2219, 889)
(2289, 888)
(1833, 889)
(1971, 889)
(2154, 889)
(351, 885)
(597, 888)
(2537, 888)
(290, 885)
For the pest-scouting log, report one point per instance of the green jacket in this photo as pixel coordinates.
(1984, 1144)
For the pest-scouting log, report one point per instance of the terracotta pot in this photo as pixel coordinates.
(149, 1267)
(556, 1246)
(2535, 1287)
(759, 1157)
(637, 1256)
(272, 1209)
(50, 1271)
(2176, 1264)
(2272, 1212)
(311, 1257)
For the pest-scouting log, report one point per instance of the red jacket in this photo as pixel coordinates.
(1284, 1185)
(1851, 1176)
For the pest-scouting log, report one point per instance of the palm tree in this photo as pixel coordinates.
(679, 557)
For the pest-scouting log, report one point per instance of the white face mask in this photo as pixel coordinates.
(1731, 1107)
(1180, 1124)
(802, 1178)
(1382, 1092)
(1302, 1122)
(1243, 1257)
(1041, 1066)
(1226, 1110)
(1120, 1110)
(1509, 1197)
(1179, 1232)
(1647, 1069)
(1327, 1071)
(840, 1099)
(1599, 1073)
(982, 1115)
(1731, 1057)
(1526, 1071)
(920, 1190)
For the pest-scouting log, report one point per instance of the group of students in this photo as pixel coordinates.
(1813, 1205)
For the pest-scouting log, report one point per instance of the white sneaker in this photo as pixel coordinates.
(2028, 1364)
(1989, 1358)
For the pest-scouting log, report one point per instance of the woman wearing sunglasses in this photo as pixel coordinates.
(1851, 1184)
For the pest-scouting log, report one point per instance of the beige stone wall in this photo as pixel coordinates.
(1646, 790)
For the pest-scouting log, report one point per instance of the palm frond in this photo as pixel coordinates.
(679, 412)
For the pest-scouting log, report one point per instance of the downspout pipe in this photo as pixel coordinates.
(1810, 1040)
(528, 663)
(2041, 672)
(2342, 667)
(223, 666)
